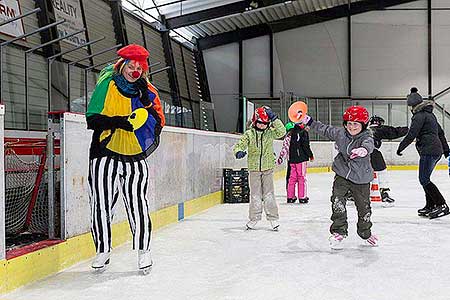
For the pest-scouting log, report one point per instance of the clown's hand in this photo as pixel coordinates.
(122, 123)
(141, 84)
(359, 152)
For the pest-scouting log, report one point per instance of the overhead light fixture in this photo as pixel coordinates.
(254, 4)
(287, 2)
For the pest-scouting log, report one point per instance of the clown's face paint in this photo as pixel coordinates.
(132, 71)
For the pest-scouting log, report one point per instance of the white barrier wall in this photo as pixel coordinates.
(2, 184)
(188, 164)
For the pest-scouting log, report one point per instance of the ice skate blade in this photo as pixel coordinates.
(439, 215)
(336, 248)
(146, 270)
(99, 270)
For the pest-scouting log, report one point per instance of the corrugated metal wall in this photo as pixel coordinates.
(192, 75)
(99, 23)
(134, 30)
(155, 47)
(179, 66)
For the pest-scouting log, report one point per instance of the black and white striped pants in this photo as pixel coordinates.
(108, 179)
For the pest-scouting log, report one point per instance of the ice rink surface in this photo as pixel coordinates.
(211, 256)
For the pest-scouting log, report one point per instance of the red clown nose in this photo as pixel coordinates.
(136, 74)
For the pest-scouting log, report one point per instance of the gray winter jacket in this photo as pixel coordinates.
(357, 170)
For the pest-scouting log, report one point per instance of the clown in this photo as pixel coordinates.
(126, 116)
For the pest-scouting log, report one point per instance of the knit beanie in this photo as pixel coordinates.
(414, 98)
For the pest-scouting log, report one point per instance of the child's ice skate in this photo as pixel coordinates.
(275, 225)
(386, 199)
(100, 261)
(372, 241)
(336, 241)
(251, 225)
(303, 200)
(291, 200)
(145, 261)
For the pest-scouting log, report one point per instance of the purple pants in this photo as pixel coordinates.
(297, 176)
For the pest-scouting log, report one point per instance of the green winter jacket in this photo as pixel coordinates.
(261, 156)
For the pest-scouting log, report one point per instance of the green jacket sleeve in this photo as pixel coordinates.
(242, 145)
(277, 130)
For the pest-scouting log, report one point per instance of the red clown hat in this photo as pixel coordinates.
(135, 52)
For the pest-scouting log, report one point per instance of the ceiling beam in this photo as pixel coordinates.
(320, 16)
(218, 12)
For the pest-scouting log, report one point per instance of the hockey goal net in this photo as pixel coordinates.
(26, 199)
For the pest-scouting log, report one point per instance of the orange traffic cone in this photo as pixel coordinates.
(375, 195)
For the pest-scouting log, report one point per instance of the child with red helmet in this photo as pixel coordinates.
(258, 141)
(353, 173)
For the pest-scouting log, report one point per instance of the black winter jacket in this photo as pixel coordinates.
(430, 138)
(380, 133)
(299, 147)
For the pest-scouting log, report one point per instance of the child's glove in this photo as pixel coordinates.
(279, 161)
(272, 116)
(307, 120)
(240, 154)
(359, 152)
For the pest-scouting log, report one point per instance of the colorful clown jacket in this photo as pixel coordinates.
(108, 102)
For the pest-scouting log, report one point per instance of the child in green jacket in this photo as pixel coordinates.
(258, 141)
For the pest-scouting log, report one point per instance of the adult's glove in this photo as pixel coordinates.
(311, 158)
(122, 123)
(272, 116)
(446, 153)
(240, 154)
(359, 152)
(399, 153)
(141, 84)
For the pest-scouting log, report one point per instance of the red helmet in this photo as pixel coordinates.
(356, 114)
(260, 115)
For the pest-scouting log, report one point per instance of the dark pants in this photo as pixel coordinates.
(433, 196)
(426, 167)
(361, 194)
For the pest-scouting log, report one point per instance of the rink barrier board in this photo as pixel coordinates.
(30, 267)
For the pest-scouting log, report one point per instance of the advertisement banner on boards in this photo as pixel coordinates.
(8, 10)
(70, 10)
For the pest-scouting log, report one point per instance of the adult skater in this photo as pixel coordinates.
(126, 116)
(430, 144)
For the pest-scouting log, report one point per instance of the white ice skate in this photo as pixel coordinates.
(145, 261)
(336, 241)
(251, 224)
(100, 261)
(275, 225)
(372, 241)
